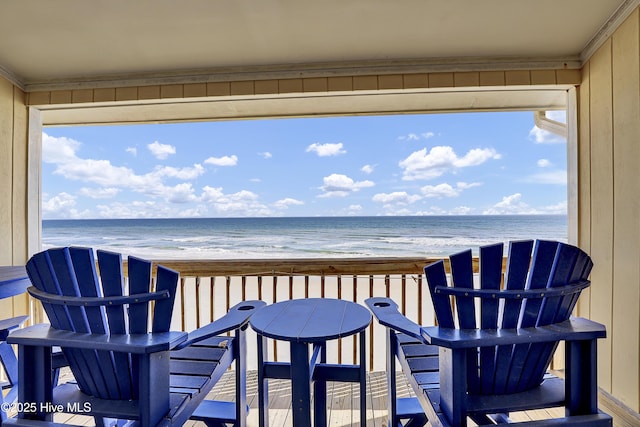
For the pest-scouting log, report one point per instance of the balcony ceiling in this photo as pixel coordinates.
(66, 41)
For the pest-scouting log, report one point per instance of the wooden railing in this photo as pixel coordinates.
(208, 288)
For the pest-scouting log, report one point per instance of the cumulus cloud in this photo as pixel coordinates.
(514, 205)
(99, 193)
(242, 203)
(266, 155)
(62, 152)
(286, 202)
(511, 204)
(416, 136)
(161, 151)
(422, 165)
(223, 161)
(338, 185)
(179, 173)
(325, 150)
(61, 206)
(396, 197)
(447, 190)
(544, 163)
(58, 150)
(132, 150)
(367, 169)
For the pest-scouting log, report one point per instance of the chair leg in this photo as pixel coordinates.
(241, 378)
(392, 342)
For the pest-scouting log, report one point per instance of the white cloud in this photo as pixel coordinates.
(242, 203)
(62, 205)
(161, 151)
(223, 161)
(367, 169)
(461, 210)
(180, 173)
(397, 197)
(99, 193)
(266, 155)
(338, 185)
(514, 205)
(132, 150)
(62, 152)
(511, 204)
(446, 190)
(58, 150)
(442, 159)
(416, 137)
(545, 137)
(134, 209)
(324, 150)
(286, 202)
(544, 163)
(180, 193)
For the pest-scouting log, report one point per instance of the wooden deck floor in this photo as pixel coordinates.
(342, 403)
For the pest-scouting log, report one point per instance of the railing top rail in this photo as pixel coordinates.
(301, 266)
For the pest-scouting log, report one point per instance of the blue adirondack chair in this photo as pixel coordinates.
(490, 353)
(126, 363)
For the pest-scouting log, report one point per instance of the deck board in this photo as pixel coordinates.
(342, 401)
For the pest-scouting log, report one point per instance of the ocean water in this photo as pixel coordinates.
(309, 237)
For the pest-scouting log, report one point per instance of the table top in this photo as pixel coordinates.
(13, 281)
(310, 320)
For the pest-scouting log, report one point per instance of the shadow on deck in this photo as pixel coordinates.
(342, 402)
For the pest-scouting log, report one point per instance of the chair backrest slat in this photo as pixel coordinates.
(88, 285)
(518, 261)
(112, 278)
(490, 272)
(139, 271)
(167, 279)
(437, 277)
(462, 277)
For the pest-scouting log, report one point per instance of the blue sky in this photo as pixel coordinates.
(432, 164)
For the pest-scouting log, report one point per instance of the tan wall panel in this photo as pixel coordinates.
(13, 192)
(625, 334)
(19, 197)
(602, 204)
(584, 179)
(6, 170)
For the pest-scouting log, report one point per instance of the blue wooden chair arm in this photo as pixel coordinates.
(237, 317)
(386, 312)
(573, 329)
(43, 335)
(112, 301)
(8, 325)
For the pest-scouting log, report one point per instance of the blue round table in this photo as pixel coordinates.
(302, 322)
